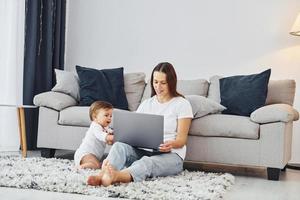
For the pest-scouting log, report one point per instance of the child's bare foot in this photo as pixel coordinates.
(84, 166)
(90, 165)
(109, 175)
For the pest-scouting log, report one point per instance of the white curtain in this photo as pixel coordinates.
(12, 20)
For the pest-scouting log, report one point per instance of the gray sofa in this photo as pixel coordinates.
(263, 139)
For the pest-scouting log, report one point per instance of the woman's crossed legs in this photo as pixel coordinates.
(141, 165)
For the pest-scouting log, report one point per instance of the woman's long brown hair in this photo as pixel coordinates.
(169, 70)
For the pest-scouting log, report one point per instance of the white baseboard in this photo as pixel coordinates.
(294, 162)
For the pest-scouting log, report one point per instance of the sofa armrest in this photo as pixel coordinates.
(54, 100)
(274, 113)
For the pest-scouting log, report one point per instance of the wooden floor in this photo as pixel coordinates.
(250, 183)
(257, 187)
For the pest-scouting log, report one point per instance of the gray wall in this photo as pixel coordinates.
(200, 37)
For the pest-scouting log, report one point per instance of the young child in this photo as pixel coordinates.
(91, 150)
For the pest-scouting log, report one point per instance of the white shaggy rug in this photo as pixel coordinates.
(60, 175)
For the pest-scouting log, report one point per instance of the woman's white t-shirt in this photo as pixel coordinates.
(176, 108)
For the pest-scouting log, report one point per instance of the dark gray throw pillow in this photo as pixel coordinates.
(105, 85)
(241, 95)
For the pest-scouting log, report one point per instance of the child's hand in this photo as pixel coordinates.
(109, 131)
(109, 139)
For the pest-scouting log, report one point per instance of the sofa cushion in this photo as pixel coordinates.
(54, 100)
(202, 106)
(275, 113)
(214, 88)
(281, 91)
(67, 82)
(134, 85)
(241, 95)
(106, 85)
(75, 116)
(221, 125)
(184, 87)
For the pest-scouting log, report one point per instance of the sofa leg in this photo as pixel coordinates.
(47, 153)
(284, 169)
(273, 173)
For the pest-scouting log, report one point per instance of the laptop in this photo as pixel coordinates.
(138, 129)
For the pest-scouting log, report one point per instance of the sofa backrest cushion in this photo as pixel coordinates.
(214, 88)
(134, 85)
(281, 91)
(105, 85)
(184, 87)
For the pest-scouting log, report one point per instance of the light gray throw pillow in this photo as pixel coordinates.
(202, 106)
(67, 82)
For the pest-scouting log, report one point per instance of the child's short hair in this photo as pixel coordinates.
(99, 105)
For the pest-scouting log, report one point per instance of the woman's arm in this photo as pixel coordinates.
(183, 127)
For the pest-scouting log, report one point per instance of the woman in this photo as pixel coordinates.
(125, 163)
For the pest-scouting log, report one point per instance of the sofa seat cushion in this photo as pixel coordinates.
(221, 125)
(75, 116)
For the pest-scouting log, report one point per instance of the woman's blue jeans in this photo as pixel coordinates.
(142, 164)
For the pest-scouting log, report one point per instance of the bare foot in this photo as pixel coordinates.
(109, 175)
(84, 166)
(95, 180)
(90, 165)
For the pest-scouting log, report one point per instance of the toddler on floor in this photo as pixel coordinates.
(91, 150)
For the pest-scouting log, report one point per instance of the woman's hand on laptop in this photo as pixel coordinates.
(166, 146)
